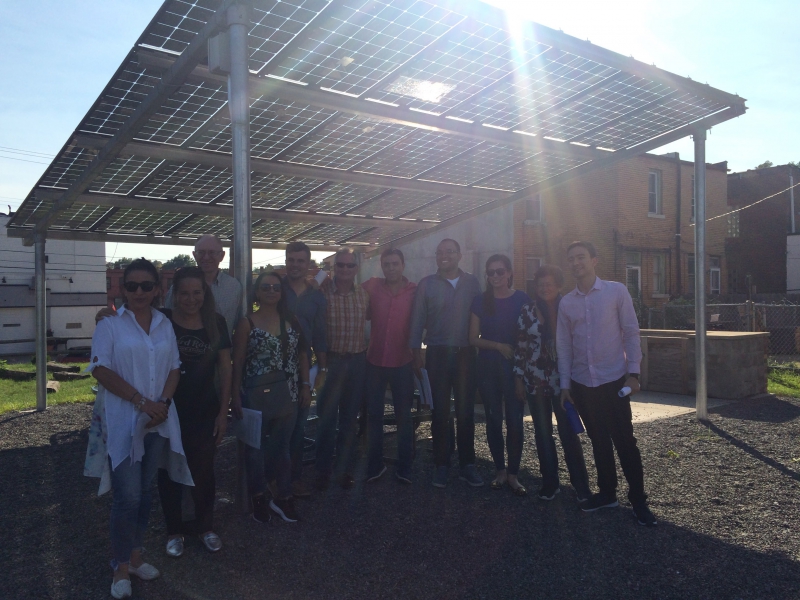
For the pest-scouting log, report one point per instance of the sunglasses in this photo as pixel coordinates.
(132, 286)
(270, 287)
(344, 265)
(492, 272)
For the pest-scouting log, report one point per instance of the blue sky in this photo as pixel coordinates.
(58, 56)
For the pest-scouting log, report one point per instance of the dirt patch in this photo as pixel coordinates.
(725, 494)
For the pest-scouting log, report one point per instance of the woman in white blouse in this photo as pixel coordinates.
(135, 426)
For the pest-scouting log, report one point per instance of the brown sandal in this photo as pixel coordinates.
(519, 491)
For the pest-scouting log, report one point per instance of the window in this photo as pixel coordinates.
(654, 193)
(733, 225)
(108, 283)
(533, 209)
(714, 273)
(531, 266)
(74, 326)
(659, 274)
(633, 273)
(691, 219)
(690, 271)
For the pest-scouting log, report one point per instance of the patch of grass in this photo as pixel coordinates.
(783, 383)
(21, 395)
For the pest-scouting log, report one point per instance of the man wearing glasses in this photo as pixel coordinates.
(309, 306)
(442, 310)
(342, 392)
(208, 253)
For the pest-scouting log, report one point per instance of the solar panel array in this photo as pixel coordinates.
(511, 112)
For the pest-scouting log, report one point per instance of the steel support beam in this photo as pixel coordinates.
(239, 105)
(170, 82)
(41, 320)
(218, 159)
(82, 236)
(701, 390)
(553, 182)
(216, 210)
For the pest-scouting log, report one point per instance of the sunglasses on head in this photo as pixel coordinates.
(132, 286)
(492, 272)
(270, 287)
(344, 265)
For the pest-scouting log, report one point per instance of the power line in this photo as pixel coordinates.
(26, 152)
(36, 162)
(740, 209)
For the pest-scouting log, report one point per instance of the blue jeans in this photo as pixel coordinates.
(272, 461)
(496, 387)
(452, 369)
(401, 382)
(339, 399)
(542, 406)
(133, 496)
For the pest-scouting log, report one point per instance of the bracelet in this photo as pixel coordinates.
(323, 369)
(140, 405)
(132, 397)
(306, 383)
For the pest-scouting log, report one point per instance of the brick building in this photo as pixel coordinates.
(757, 248)
(640, 214)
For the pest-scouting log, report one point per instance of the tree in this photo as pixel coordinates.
(765, 165)
(182, 260)
(794, 164)
(120, 263)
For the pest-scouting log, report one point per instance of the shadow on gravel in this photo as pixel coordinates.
(765, 410)
(752, 451)
(381, 540)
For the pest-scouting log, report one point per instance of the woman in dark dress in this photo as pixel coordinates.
(536, 368)
(204, 348)
(493, 330)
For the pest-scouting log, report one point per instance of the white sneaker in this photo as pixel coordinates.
(211, 541)
(121, 588)
(144, 571)
(175, 547)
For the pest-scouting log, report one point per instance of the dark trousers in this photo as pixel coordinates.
(609, 424)
(496, 387)
(297, 442)
(401, 381)
(271, 462)
(543, 405)
(452, 370)
(199, 445)
(340, 399)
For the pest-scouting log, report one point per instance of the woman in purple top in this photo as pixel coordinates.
(493, 330)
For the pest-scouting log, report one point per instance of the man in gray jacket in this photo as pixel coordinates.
(441, 310)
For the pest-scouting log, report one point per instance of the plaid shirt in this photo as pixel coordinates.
(347, 319)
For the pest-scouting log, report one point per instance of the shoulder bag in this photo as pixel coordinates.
(270, 392)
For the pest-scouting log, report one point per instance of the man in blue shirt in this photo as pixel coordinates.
(442, 311)
(309, 306)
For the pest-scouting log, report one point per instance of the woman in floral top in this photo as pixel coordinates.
(536, 368)
(270, 341)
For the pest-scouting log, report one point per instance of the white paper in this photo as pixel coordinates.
(321, 276)
(424, 388)
(312, 375)
(248, 430)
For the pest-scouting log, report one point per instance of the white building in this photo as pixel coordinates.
(76, 290)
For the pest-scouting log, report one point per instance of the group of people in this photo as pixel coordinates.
(168, 378)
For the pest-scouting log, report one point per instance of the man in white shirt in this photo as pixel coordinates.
(599, 353)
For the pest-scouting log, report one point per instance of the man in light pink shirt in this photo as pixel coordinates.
(599, 353)
(389, 362)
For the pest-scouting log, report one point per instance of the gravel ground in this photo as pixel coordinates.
(726, 496)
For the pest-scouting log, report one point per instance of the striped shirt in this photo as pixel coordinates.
(347, 318)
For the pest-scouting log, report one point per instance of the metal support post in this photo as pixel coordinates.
(239, 105)
(701, 397)
(40, 284)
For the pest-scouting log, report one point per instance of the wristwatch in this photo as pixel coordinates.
(323, 369)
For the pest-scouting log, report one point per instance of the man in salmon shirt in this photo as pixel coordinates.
(390, 362)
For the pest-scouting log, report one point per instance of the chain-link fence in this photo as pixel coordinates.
(782, 321)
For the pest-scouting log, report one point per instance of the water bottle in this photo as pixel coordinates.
(626, 391)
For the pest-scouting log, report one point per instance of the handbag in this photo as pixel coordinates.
(269, 392)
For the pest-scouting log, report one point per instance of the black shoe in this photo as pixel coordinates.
(548, 492)
(285, 509)
(644, 515)
(261, 513)
(598, 501)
